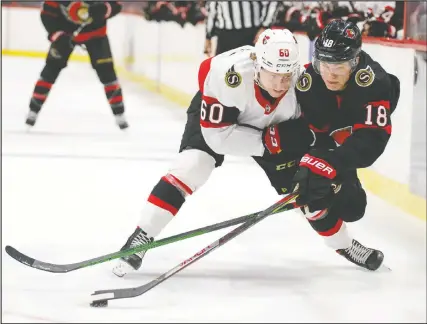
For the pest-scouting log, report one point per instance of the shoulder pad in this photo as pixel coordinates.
(229, 76)
(370, 72)
(234, 65)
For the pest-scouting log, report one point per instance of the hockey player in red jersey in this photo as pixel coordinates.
(245, 106)
(89, 21)
(346, 98)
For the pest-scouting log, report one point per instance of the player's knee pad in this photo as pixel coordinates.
(105, 70)
(51, 72)
(193, 168)
(324, 222)
(350, 202)
(355, 208)
(56, 59)
(313, 216)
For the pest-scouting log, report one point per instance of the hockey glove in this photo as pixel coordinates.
(99, 11)
(315, 181)
(61, 42)
(292, 136)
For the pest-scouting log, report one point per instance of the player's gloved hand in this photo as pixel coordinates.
(315, 181)
(99, 11)
(61, 41)
(291, 136)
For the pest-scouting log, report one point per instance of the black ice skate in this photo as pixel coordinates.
(121, 121)
(31, 118)
(132, 262)
(362, 256)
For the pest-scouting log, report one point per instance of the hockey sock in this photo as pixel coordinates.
(40, 93)
(164, 202)
(333, 230)
(113, 91)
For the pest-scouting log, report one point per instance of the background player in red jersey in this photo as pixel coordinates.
(88, 20)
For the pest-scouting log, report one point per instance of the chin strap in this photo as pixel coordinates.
(258, 81)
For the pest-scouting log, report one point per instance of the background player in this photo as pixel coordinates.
(61, 19)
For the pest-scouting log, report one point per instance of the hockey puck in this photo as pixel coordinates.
(99, 303)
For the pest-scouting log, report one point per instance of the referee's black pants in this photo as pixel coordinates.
(231, 39)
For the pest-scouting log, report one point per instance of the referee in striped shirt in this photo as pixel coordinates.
(236, 23)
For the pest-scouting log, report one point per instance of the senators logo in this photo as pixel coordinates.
(349, 33)
(232, 78)
(365, 77)
(304, 82)
(265, 39)
(341, 134)
(76, 12)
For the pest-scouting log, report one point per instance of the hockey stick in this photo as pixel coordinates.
(63, 268)
(77, 32)
(286, 203)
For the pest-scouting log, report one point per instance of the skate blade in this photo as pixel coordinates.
(122, 268)
(385, 268)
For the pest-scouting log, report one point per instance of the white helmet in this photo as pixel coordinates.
(277, 51)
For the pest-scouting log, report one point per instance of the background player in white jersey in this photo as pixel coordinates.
(245, 106)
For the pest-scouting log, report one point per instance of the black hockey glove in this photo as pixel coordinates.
(291, 136)
(99, 11)
(61, 42)
(315, 181)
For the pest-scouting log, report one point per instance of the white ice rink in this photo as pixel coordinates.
(73, 187)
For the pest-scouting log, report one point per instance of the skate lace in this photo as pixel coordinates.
(32, 115)
(138, 240)
(358, 252)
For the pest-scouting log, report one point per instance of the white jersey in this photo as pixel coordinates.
(234, 112)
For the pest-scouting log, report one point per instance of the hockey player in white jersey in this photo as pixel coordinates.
(245, 106)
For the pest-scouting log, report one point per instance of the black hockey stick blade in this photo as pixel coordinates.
(64, 268)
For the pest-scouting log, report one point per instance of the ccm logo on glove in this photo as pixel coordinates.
(272, 140)
(318, 166)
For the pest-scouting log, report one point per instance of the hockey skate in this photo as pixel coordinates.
(132, 262)
(367, 258)
(121, 121)
(31, 118)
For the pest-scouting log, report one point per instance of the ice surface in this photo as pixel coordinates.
(72, 189)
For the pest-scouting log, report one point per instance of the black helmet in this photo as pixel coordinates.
(340, 41)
